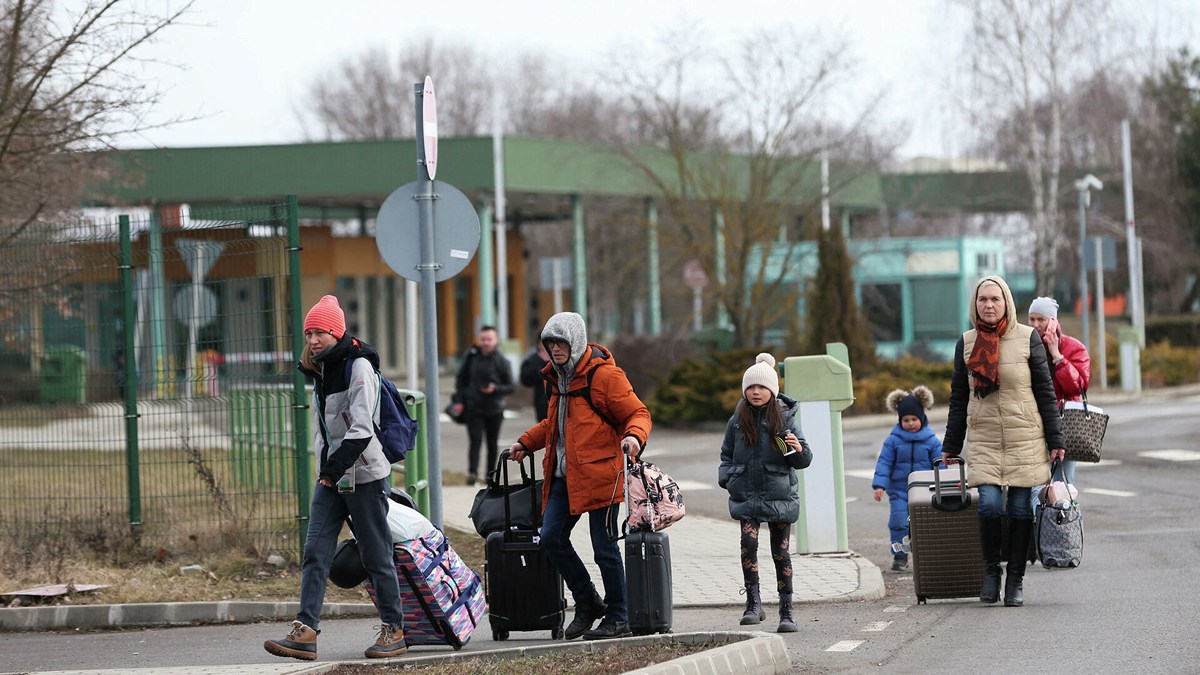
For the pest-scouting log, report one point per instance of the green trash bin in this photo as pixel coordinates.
(64, 374)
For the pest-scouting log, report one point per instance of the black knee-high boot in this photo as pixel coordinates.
(991, 536)
(1018, 545)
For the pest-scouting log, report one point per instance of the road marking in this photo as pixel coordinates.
(876, 626)
(897, 608)
(861, 473)
(1108, 493)
(695, 485)
(1172, 455)
(845, 646)
(851, 499)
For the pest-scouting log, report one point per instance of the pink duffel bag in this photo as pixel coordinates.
(653, 498)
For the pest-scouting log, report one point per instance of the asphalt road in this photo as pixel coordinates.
(1130, 608)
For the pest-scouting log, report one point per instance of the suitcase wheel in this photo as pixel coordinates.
(499, 635)
(558, 633)
(921, 599)
(451, 637)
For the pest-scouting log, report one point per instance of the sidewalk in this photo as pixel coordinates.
(708, 576)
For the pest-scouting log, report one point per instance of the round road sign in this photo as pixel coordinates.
(183, 306)
(693, 274)
(455, 231)
(429, 122)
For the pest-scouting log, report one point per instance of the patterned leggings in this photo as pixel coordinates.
(780, 543)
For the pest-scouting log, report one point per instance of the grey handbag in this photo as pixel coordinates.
(1059, 533)
(1083, 431)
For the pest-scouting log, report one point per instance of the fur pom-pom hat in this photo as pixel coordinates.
(913, 403)
(763, 373)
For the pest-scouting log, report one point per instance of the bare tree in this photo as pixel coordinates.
(1023, 56)
(64, 88)
(740, 140)
(370, 95)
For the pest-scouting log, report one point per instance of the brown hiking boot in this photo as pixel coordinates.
(301, 643)
(389, 642)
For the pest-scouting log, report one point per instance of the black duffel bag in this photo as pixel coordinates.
(347, 569)
(503, 506)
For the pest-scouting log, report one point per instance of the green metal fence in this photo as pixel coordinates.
(147, 380)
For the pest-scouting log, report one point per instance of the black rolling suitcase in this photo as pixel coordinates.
(524, 591)
(943, 523)
(648, 580)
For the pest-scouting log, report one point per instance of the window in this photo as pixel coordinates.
(883, 307)
(936, 311)
(986, 262)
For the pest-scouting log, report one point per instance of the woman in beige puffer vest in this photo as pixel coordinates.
(1002, 403)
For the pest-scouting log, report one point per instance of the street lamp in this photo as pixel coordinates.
(1084, 186)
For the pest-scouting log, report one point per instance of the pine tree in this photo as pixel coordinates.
(833, 314)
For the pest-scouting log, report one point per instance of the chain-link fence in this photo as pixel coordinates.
(147, 380)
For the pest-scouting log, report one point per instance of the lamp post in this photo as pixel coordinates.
(1084, 186)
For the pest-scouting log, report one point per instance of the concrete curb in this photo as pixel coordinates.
(68, 617)
(758, 653)
(65, 617)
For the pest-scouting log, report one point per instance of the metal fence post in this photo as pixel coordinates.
(304, 480)
(416, 463)
(133, 483)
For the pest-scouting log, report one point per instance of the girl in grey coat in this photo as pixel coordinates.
(763, 448)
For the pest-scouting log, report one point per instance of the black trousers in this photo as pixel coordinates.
(477, 425)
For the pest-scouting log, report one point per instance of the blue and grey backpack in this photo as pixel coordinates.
(397, 430)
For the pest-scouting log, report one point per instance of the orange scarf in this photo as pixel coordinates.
(985, 357)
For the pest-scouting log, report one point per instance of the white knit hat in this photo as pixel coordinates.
(762, 373)
(1047, 307)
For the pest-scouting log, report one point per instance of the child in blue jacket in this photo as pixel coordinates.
(912, 446)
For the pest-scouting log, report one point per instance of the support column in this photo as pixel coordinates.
(719, 252)
(159, 369)
(487, 288)
(579, 257)
(653, 271)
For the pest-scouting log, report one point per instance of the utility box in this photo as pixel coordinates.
(823, 385)
(1131, 359)
(64, 374)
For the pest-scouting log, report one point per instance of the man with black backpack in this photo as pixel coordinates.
(594, 420)
(484, 379)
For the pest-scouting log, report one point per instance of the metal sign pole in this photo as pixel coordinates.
(1083, 281)
(1101, 337)
(428, 268)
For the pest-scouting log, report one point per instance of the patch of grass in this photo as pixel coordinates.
(152, 575)
(611, 661)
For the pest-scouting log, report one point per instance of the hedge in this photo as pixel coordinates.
(1181, 331)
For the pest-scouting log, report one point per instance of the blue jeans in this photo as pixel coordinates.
(368, 507)
(991, 501)
(557, 523)
(898, 520)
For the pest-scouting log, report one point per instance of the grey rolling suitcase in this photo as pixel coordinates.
(943, 523)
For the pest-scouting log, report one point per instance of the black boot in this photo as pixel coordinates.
(787, 623)
(990, 535)
(754, 608)
(588, 610)
(608, 629)
(1018, 533)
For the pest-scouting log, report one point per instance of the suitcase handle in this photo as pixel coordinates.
(964, 497)
(529, 479)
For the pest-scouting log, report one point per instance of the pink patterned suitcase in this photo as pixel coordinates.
(442, 599)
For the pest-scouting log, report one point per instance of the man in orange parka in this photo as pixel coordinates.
(594, 418)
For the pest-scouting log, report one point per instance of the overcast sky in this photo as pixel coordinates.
(244, 65)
